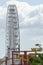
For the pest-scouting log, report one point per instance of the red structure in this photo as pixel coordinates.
(23, 60)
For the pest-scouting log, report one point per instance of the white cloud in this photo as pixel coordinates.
(2, 43)
(30, 18)
(26, 12)
(2, 12)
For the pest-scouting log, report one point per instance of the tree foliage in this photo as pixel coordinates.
(37, 60)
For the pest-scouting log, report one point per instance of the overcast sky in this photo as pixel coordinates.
(30, 14)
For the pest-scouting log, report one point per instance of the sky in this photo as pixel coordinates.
(30, 14)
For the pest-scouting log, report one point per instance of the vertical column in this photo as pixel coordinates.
(12, 58)
(21, 61)
(25, 57)
(6, 59)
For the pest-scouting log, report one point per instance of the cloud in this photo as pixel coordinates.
(2, 17)
(2, 43)
(2, 12)
(27, 14)
(30, 20)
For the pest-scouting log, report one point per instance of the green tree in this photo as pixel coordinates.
(37, 60)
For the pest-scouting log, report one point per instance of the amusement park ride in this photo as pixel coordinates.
(21, 59)
(14, 55)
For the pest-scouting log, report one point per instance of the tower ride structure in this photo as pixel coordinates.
(12, 30)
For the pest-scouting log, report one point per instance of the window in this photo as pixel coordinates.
(11, 9)
(12, 13)
(15, 28)
(16, 35)
(12, 17)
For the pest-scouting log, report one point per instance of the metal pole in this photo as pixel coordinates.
(35, 52)
(21, 61)
(25, 57)
(12, 59)
(6, 58)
